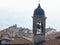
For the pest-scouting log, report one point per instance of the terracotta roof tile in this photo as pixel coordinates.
(20, 41)
(52, 42)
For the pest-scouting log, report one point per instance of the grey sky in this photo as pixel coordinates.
(20, 12)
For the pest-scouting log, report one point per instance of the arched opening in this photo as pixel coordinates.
(39, 31)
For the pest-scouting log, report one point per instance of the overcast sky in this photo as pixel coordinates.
(20, 12)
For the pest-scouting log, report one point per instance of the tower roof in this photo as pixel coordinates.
(39, 12)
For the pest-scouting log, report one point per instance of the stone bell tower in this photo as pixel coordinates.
(39, 20)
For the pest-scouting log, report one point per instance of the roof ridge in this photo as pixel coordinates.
(27, 39)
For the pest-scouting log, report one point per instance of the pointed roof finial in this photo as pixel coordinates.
(38, 1)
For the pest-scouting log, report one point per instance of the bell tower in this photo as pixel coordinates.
(39, 20)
